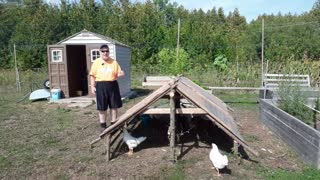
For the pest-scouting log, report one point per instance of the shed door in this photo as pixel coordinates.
(92, 55)
(58, 70)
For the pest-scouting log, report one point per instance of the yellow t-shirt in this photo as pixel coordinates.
(105, 71)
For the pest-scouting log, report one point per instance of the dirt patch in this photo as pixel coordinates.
(152, 158)
(52, 141)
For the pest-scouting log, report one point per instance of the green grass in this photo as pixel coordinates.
(251, 138)
(234, 96)
(31, 133)
(239, 99)
(53, 140)
(177, 171)
(4, 162)
(280, 174)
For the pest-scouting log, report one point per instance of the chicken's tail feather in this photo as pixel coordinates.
(141, 139)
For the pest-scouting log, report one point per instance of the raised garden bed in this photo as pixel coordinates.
(305, 140)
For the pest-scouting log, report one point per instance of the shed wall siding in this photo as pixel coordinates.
(123, 57)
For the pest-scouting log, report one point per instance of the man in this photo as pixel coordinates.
(103, 80)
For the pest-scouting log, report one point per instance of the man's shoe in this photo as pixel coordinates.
(102, 129)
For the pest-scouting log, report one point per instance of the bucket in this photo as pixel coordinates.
(79, 93)
(55, 94)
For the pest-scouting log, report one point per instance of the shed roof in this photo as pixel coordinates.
(87, 37)
(215, 109)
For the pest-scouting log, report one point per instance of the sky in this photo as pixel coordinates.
(251, 9)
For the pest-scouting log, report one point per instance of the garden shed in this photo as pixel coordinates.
(70, 60)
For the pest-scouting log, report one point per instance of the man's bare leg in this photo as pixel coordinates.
(114, 115)
(103, 119)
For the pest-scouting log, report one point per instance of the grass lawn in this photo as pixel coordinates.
(51, 141)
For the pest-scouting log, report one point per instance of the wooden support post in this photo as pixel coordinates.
(108, 147)
(235, 147)
(172, 124)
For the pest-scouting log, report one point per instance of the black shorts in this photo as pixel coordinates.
(108, 95)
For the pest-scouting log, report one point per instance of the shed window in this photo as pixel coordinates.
(56, 56)
(95, 54)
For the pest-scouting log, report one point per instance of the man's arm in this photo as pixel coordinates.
(93, 84)
(121, 73)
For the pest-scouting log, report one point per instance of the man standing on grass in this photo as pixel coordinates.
(103, 80)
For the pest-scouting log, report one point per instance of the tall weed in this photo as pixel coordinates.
(293, 101)
(29, 80)
(245, 74)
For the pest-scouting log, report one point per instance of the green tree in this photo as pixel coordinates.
(9, 17)
(236, 28)
(169, 63)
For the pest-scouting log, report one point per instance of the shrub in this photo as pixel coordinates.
(170, 64)
(221, 62)
(292, 100)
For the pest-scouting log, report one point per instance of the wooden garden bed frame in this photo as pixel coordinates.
(304, 139)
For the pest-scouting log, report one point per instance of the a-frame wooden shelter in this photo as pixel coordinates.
(181, 87)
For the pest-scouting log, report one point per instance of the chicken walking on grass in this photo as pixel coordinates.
(131, 141)
(218, 160)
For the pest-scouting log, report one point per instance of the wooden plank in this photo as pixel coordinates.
(234, 88)
(294, 134)
(153, 83)
(308, 150)
(178, 111)
(208, 102)
(158, 78)
(199, 90)
(290, 133)
(287, 75)
(287, 80)
(277, 85)
(307, 131)
(273, 80)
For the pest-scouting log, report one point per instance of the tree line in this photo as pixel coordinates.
(207, 39)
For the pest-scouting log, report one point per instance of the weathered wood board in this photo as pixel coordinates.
(304, 139)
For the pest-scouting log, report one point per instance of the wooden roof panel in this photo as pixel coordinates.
(208, 103)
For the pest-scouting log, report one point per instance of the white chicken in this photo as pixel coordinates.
(131, 141)
(218, 160)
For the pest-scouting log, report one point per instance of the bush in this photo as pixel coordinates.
(170, 64)
(292, 100)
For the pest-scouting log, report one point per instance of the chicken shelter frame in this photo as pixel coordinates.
(207, 104)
